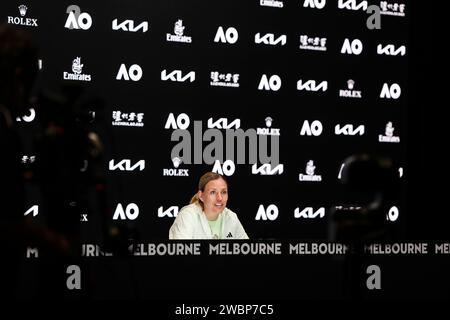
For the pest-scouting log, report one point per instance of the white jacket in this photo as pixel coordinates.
(191, 223)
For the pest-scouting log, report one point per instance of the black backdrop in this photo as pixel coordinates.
(103, 51)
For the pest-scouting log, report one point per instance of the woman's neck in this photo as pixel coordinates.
(211, 216)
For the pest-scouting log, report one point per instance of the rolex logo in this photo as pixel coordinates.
(350, 84)
(176, 162)
(23, 10)
(22, 20)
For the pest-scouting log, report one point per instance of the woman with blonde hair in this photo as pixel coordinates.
(207, 216)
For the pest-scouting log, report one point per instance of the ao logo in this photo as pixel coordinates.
(319, 4)
(134, 73)
(227, 168)
(222, 123)
(390, 50)
(391, 92)
(351, 5)
(314, 129)
(271, 213)
(230, 36)
(355, 47)
(273, 83)
(34, 209)
(76, 19)
(181, 122)
(27, 118)
(309, 213)
(393, 214)
(172, 212)
(131, 212)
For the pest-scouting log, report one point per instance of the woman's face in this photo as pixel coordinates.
(215, 196)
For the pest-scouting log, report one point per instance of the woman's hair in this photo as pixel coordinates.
(204, 179)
